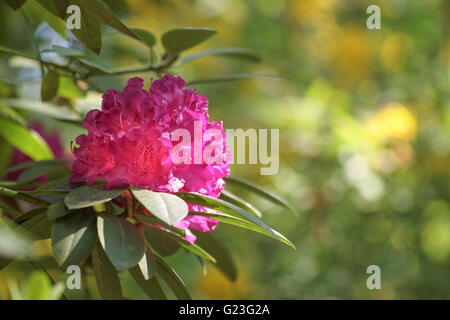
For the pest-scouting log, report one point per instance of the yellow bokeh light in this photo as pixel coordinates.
(392, 122)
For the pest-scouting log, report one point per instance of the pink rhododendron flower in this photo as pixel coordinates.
(129, 143)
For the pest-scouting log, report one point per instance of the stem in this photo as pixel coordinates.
(24, 197)
(148, 68)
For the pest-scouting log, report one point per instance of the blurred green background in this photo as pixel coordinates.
(364, 138)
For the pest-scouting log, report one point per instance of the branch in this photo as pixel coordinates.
(24, 197)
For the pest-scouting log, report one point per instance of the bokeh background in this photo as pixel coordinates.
(364, 125)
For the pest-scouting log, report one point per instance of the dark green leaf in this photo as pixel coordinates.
(35, 172)
(123, 242)
(106, 276)
(45, 193)
(101, 12)
(52, 184)
(145, 37)
(61, 7)
(238, 53)
(17, 53)
(194, 248)
(151, 286)
(50, 6)
(30, 214)
(225, 218)
(225, 261)
(234, 199)
(94, 67)
(73, 238)
(57, 210)
(87, 196)
(172, 279)
(25, 140)
(233, 77)
(164, 206)
(163, 245)
(15, 4)
(178, 40)
(67, 52)
(225, 207)
(269, 195)
(90, 33)
(39, 226)
(33, 164)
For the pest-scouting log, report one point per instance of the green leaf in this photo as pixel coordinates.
(229, 219)
(67, 52)
(194, 248)
(178, 40)
(50, 6)
(225, 207)
(147, 265)
(15, 4)
(123, 243)
(145, 37)
(39, 226)
(37, 12)
(52, 184)
(57, 210)
(172, 279)
(35, 172)
(269, 195)
(6, 151)
(28, 215)
(61, 7)
(234, 199)
(234, 77)
(101, 12)
(33, 164)
(94, 67)
(90, 32)
(17, 53)
(225, 261)
(42, 108)
(150, 285)
(165, 246)
(238, 53)
(106, 276)
(27, 141)
(73, 238)
(87, 196)
(165, 206)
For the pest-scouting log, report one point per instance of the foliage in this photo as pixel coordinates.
(87, 225)
(364, 137)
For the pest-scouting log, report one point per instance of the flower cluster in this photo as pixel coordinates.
(129, 143)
